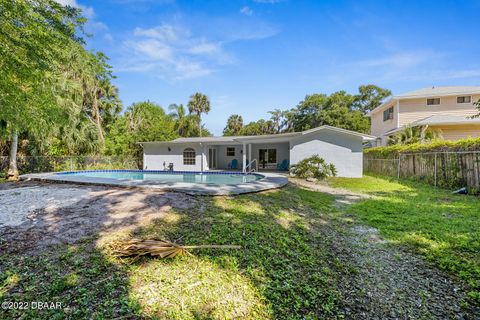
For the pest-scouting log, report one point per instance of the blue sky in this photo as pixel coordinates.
(253, 56)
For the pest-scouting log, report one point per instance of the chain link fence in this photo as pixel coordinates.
(70, 163)
(449, 170)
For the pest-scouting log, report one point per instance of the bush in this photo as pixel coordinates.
(313, 167)
(470, 144)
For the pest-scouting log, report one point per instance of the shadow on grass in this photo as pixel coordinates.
(285, 258)
(285, 268)
(442, 226)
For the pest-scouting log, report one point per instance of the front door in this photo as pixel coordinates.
(212, 158)
(267, 158)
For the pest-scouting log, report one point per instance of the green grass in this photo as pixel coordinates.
(445, 228)
(284, 270)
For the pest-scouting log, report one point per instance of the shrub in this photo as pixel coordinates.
(469, 144)
(313, 167)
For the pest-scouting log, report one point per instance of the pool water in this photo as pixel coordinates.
(169, 177)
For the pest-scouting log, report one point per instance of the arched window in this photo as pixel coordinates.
(189, 156)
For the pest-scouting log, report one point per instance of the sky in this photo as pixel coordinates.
(251, 57)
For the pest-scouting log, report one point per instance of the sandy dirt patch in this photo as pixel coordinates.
(18, 204)
(38, 215)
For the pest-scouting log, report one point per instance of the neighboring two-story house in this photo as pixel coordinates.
(448, 109)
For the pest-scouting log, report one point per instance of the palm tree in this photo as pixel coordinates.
(411, 135)
(199, 104)
(234, 125)
(183, 122)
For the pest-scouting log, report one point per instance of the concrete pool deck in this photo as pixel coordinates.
(270, 181)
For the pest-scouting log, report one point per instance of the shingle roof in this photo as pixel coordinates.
(439, 91)
(429, 92)
(237, 139)
(446, 119)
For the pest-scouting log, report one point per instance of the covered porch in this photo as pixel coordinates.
(248, 156)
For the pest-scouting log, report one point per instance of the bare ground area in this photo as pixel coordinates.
(382, 281)
(34, 216)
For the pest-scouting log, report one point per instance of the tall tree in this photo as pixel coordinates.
(100, 97)
(369, 97)
(184, 123)
(198, 104)
(142, 121)
(36, 37)
(277, 118)
(234, 125)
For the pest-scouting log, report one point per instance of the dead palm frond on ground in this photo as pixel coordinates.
(160, 248)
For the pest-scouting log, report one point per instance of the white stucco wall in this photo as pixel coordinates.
(223, 160)
(154, 155)
(343, 150)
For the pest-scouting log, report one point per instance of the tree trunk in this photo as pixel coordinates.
(199, 125)
(98, 121)
(12, 173)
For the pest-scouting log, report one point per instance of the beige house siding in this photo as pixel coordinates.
(417, 109)
(378, 126)
(458, 132)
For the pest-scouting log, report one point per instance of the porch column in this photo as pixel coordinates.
(244, 158)
(250, 155)
(202, 157)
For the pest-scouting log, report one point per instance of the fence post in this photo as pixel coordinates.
(435, 170)
(398, 167)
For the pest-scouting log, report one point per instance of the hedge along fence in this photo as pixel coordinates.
(70, 163)
(445, 164)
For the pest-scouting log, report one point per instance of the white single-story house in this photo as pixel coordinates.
(343, 148)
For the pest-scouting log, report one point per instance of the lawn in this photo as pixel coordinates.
(443, 227)
(284, 269)
(299, 260)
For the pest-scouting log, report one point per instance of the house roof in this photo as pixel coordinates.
(431, 92)
(282, 137)
(439, 120)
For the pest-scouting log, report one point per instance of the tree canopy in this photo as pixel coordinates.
(339, 109)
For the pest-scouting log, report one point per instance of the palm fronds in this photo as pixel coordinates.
(161, 248)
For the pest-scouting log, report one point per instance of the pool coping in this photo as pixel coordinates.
(268, 182)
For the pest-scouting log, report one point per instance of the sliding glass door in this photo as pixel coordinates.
(212, 158)
(267, 158)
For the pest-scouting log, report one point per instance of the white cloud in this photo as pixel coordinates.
(404, 60)
(87, 11)
(174, 52)
(108, 37)
(246, 11)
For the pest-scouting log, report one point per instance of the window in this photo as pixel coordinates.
(189, 156)
(464, 99)
(388, 114)
(230, 152)
(433, 101)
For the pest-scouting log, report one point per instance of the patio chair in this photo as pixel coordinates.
(283, 166)
(233, 164)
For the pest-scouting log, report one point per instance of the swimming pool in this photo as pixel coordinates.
(218, 178)
(194, 183)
